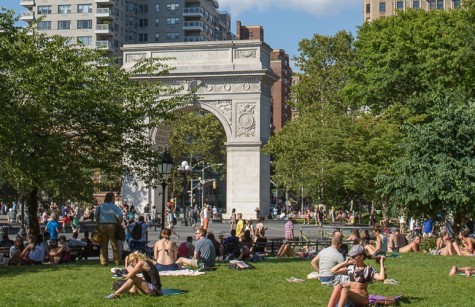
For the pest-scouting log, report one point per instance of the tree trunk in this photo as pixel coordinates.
(33, 224)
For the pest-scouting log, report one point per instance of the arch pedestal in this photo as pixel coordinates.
(233, 80)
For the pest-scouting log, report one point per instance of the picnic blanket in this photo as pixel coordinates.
(172, 291)
(184, 272)
(379, 300)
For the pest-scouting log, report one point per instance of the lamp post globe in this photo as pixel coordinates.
(165, 165)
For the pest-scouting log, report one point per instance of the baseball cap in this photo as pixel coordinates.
(356, 250)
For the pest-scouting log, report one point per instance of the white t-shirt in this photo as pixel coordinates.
(329, 257)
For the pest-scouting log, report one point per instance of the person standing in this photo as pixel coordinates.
(53, 228)
(171, 220)
(205, 216)
(109, 217)
(240, 226)
(233, 219)
(289, 229)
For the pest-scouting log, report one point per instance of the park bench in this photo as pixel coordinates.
(79, 252)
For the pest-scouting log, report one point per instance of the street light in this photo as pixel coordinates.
(165, 165)
(184, 168)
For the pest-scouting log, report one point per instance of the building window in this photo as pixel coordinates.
(399, 5)
(64, 24)
(416, 4)
(85, 40)
(157, 22)
(44, 9)
(143, 8)
(173, 35)
(64, 9)
(44, 25)
(456, 4)
(84, 8)
(382, 7)
(143, 37)
(84, 24)
(368, 8)
(132, 7)
(157, 8)
(132, 21)
(431, 4)
(143, 22)
(173, 21)
(173, 7)
(157, 37)
(440, 4)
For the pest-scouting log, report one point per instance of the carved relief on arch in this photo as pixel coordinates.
(246, 121)
(224, 107)
(245, 53)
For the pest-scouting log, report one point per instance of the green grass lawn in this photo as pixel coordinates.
(424, 282)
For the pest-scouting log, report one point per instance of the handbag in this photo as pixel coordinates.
(96, 235)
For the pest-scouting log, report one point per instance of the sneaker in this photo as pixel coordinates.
(111, 296)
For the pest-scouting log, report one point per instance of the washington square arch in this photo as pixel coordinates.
(233, 81)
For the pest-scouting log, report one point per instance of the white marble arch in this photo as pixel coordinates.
(233, 81)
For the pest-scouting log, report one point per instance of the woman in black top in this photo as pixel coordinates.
(149, 285)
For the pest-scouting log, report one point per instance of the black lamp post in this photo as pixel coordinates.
(164, 170)
(184, 168)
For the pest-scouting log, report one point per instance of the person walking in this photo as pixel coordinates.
(109, 217)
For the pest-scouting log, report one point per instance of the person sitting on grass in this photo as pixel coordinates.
(204, 252)
(447, 246)
(466, 248)
(360, 275)
(34, 252)
(411, 247)
(381, 244)
(149, 285)
(246, 244)
(61, 254)
(15, 252)
(186, 249)
(165, 252)
(466, 270)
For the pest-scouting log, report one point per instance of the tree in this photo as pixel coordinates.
(67, 112)
(333, 149)
(401, 58)
(198, 134)
(437, 170)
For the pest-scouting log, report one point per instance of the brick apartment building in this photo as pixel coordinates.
(374, 9)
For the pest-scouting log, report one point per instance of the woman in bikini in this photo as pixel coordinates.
(165, 252)
(359, 274)
(149, 285)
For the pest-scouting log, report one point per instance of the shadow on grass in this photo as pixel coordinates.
(12, 270)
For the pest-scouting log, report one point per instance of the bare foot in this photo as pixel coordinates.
(453, 271)
(467, 273)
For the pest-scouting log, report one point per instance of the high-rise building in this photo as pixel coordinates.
(279, 61)
(374, 9)
(111, 23)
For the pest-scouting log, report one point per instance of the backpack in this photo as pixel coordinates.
(136, 231)
(174, 219)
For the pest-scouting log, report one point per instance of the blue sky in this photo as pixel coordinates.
(285, 22)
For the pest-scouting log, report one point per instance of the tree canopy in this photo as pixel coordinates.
(394, 104)
(67, 112)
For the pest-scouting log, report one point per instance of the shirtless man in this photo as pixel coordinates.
(411, 247)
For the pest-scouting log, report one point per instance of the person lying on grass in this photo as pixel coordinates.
(411, 247)
(360, 275)
(149, 285)
(466, 270)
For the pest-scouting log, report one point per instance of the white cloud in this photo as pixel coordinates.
(313, 7)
